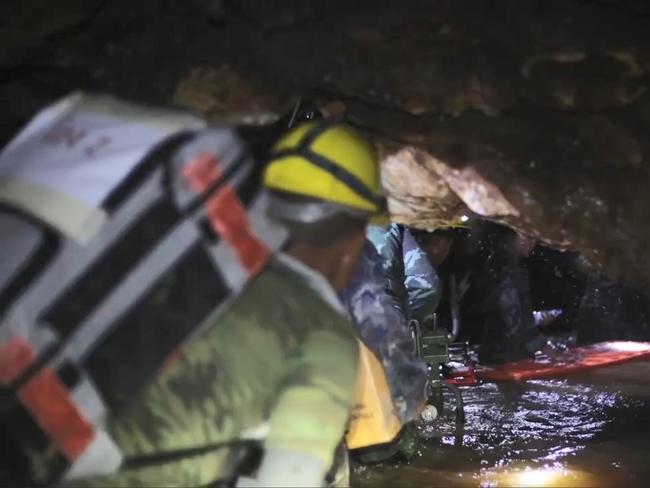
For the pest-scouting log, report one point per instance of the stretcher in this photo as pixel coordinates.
(570, 361)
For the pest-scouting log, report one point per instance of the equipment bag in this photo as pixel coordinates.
(123, 228)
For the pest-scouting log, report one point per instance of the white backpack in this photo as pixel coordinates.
(123, 229)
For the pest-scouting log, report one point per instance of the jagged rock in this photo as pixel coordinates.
(564, 197)
(532, 113)
(417, 194)
(223, 96)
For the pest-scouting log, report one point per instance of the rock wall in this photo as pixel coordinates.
(530, 112)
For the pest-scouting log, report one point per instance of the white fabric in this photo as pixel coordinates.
(271, 232)
(134, 285)
(257, 433)
(101, 457)
(285, 468)
(81, 148)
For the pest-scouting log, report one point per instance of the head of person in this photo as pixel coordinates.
(437, 243)
(324, 184)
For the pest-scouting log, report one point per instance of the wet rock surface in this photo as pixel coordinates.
(532, 113)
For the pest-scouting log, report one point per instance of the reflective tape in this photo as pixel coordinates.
(48, 400)
(16, 356)
(227, 214)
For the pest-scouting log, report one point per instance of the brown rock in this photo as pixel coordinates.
(534, 114)
(223, 96)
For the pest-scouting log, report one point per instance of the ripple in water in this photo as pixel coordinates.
(538, 433)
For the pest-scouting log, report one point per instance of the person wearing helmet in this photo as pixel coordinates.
(324, 186)
(491, 290)
(279, 366)
(435, 244)
(394, 284)
(403, 290)
(412, 281)
(378, 322)
(383, 327)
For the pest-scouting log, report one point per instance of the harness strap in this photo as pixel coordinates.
(227, 214)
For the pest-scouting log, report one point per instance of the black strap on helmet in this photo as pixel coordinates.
(304, 150)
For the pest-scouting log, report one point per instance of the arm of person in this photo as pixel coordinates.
(423, 286)
(388, 245)
(383, 328)
(310, 416)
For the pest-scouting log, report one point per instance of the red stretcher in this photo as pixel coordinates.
(575, 360)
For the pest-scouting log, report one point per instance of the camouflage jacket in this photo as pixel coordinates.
(384, 329)
(411, 281)
(279, 357)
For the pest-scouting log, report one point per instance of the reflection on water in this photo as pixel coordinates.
(570, 432)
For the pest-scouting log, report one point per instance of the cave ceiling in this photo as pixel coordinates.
(530, 113)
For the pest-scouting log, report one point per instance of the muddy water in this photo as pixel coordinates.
(588, 430)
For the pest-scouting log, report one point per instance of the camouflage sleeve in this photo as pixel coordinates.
(423, 286)
(388, 243)
(376, 319)
(312, 410)
(384, 329)
(283, 359)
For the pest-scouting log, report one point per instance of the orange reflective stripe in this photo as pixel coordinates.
(47, 399)
(227, 214)
(15, 357)
(228, 217)
(202, 172)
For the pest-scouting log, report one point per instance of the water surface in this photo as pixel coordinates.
(587, 430)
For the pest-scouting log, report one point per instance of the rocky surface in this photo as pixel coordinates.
(534, 113)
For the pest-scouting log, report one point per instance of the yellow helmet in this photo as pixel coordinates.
(327, 161)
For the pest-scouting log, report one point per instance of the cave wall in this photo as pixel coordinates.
(531, 113)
